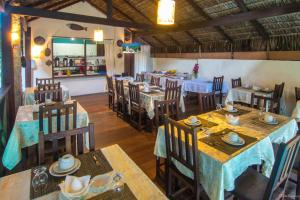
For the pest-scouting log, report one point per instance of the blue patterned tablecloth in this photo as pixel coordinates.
(25, 133)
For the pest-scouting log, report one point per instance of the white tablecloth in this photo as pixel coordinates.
(201, 85)
(163, 78)
(218, 170)
(243, 95)
(296, 112)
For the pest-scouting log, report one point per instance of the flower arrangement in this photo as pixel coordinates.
(196, 70)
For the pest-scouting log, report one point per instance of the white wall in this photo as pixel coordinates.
(265, 73)
(51, 27)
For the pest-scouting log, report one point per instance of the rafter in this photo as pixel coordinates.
(173, 39)
(109, 9)
(159, 41)
(259, 28)
(200, 11)
(147, 41)
(193, 37)
(137, 10)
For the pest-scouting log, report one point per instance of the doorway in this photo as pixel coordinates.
(129, 64)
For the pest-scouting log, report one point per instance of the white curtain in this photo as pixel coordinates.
(109, 57)
(142, 60)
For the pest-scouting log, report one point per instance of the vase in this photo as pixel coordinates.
(195, 75)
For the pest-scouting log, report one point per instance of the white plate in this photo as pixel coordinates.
(187, 122)
(231, 111)
(227, 140)
(274, 122)
(62, 174)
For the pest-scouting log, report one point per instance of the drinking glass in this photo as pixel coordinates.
(40, 178)
(219, 107)
(261, 111)
(118, 184)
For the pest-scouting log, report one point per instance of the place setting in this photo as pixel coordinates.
(228, 141)
(229, 108)
(86, 176)
(198, 122)
(265, 120)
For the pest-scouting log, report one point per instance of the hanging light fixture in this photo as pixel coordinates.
(166, 12)
(98, 35)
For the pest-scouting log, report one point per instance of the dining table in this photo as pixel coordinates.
(29, 99)
(243, 95)
(113, 159)
(25, 132)
(180, 78)
(220, 163)
(201, 85)
(147, 98)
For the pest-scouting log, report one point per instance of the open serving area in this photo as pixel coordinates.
(149, 99)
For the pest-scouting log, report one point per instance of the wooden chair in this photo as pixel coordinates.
(43, 81)
(173, 93)
(278, 91)
(48, 86)
(111, 92)
(155, 81)
(253, 185)
(121, 100)
(78, 133)
(171, 84)
(261, 101)
(236, 82)
(164, 108)
(187, 157)
(207, 102)
(137, 112)
(218, 87)
(140, 77)
(55, 94)
(297, 93)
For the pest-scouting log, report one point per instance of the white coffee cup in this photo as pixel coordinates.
(233, 137)
(268, 117)
(229, 107)
(47, 101)
(66, 162)
(193, 119)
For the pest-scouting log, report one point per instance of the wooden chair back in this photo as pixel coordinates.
(140, 77)
(57, 111)
(120, 89)
(134, 94)
(48, 92)
(171, 84)
(183, 146)
(164, 108)
(236, 82)
(283, 165)
(50, 86)
(218, 84)
(79, 133)
(173, 93)
(110, 84)
(44, 81)
(278, 90)
(297, 93)
(207, 102)
(155, 81)
(258, 101)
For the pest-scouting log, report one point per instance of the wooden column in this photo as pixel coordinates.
(28, 78)
(7, 66)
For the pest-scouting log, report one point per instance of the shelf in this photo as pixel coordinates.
(75, 76)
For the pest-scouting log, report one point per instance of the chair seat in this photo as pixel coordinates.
(251, 185)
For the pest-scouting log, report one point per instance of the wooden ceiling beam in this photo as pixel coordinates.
(259, 28)
(36, 12)
(97, 7)
(147, 41)
(200, 11)
(159, 41)
(193, 37)
(229, 19)
(49, 7)
(37, 3)
(109, 9)
(174, 40)
(138, 11)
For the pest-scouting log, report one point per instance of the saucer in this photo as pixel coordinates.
(274, 122)
(234, 110)
(187, 122)
(227, 140)
(54, 169)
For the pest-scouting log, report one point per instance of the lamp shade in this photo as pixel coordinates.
(166, 12)
(98, 35)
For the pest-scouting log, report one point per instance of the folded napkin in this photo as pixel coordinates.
(75, 186)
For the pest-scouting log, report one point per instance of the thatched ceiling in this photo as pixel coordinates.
(187, 11)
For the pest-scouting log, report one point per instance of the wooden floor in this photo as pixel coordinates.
(110, 129)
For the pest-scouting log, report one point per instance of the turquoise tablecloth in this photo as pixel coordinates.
(28, 96)
(25, 133)
(218, 170)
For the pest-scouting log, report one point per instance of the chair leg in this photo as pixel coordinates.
(140, 121)
(158, 167)
(298, 185)
(169, 185)
(221, 98)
